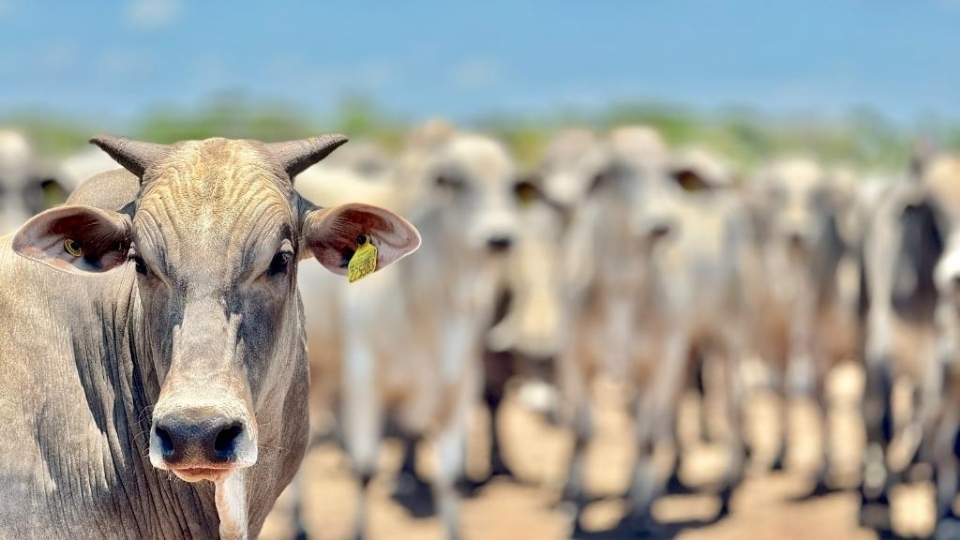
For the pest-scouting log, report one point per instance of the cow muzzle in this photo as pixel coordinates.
(201, 443)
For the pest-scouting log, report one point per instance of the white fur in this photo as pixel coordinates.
(232, 507)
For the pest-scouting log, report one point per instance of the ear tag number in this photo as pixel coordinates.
(364, 260)
(73, 247)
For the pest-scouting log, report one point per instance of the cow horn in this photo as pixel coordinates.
(296, 156)
(134, 156)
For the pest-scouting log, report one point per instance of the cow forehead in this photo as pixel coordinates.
(482, 160)
(216, 194)
(798, 175)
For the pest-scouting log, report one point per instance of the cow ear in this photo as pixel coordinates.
(76, 239)
(334, 234)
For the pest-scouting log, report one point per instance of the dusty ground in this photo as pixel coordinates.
(764, 507)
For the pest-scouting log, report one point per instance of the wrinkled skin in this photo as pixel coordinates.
(184, 330)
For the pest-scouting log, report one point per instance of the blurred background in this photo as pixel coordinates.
(852, 83)
(853, 80)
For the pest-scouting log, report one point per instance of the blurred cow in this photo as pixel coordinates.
(76, 169)
(942, 182)
(911, 276)
(656, 260)
(411, 360)
(23, 190)
(808, 323)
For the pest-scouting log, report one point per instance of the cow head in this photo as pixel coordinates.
(214, 238)
(476, 186)
(801, 205)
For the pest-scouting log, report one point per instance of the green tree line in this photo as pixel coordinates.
(861, 137)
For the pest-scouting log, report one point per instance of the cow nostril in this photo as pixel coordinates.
(226, 441)
(659, 230)
(166, 442)
(796, 239)
(499, 243)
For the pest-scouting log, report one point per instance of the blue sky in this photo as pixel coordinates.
(112, 59)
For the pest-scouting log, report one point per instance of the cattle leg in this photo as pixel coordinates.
(451, 446)
(822, 473)
(411, 490)
(495, 381)
(697, 380)
(297, 491)
(878, 417)
(655, 418)
(575, 383)
(363, 421)
(736, 447)
(947, 450)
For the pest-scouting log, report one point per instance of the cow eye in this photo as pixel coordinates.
(280, 263)
(451, 182)
(139, 264)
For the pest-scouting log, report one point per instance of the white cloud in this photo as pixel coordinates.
(152, 13)
(476, 74)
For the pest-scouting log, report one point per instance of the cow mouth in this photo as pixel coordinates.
(196, 474)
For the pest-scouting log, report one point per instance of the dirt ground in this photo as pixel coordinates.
(765, 507)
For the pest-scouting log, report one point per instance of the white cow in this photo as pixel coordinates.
(412, 358)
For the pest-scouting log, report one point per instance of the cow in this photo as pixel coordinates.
(653, 233)
(24, 189)
(909, 307)
(153, 361)
(808, 322)
(411, 357)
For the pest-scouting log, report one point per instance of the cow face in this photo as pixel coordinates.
(214, 239)
(801, 204)
(476, 185)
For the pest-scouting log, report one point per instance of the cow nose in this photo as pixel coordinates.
(659, 230)
(198, 438)
(796, 239)
(499, 244)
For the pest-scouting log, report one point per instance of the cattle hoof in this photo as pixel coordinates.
(500, 468)
(875, 516)
(726, 495)
(415, 495)
(468, 488)
(779, 462)
(675, 486)
(818, 490)
(642, 525)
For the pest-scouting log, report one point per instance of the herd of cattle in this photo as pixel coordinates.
(154, 338)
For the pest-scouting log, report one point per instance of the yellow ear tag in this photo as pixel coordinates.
(364, 260)
(73, 247)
